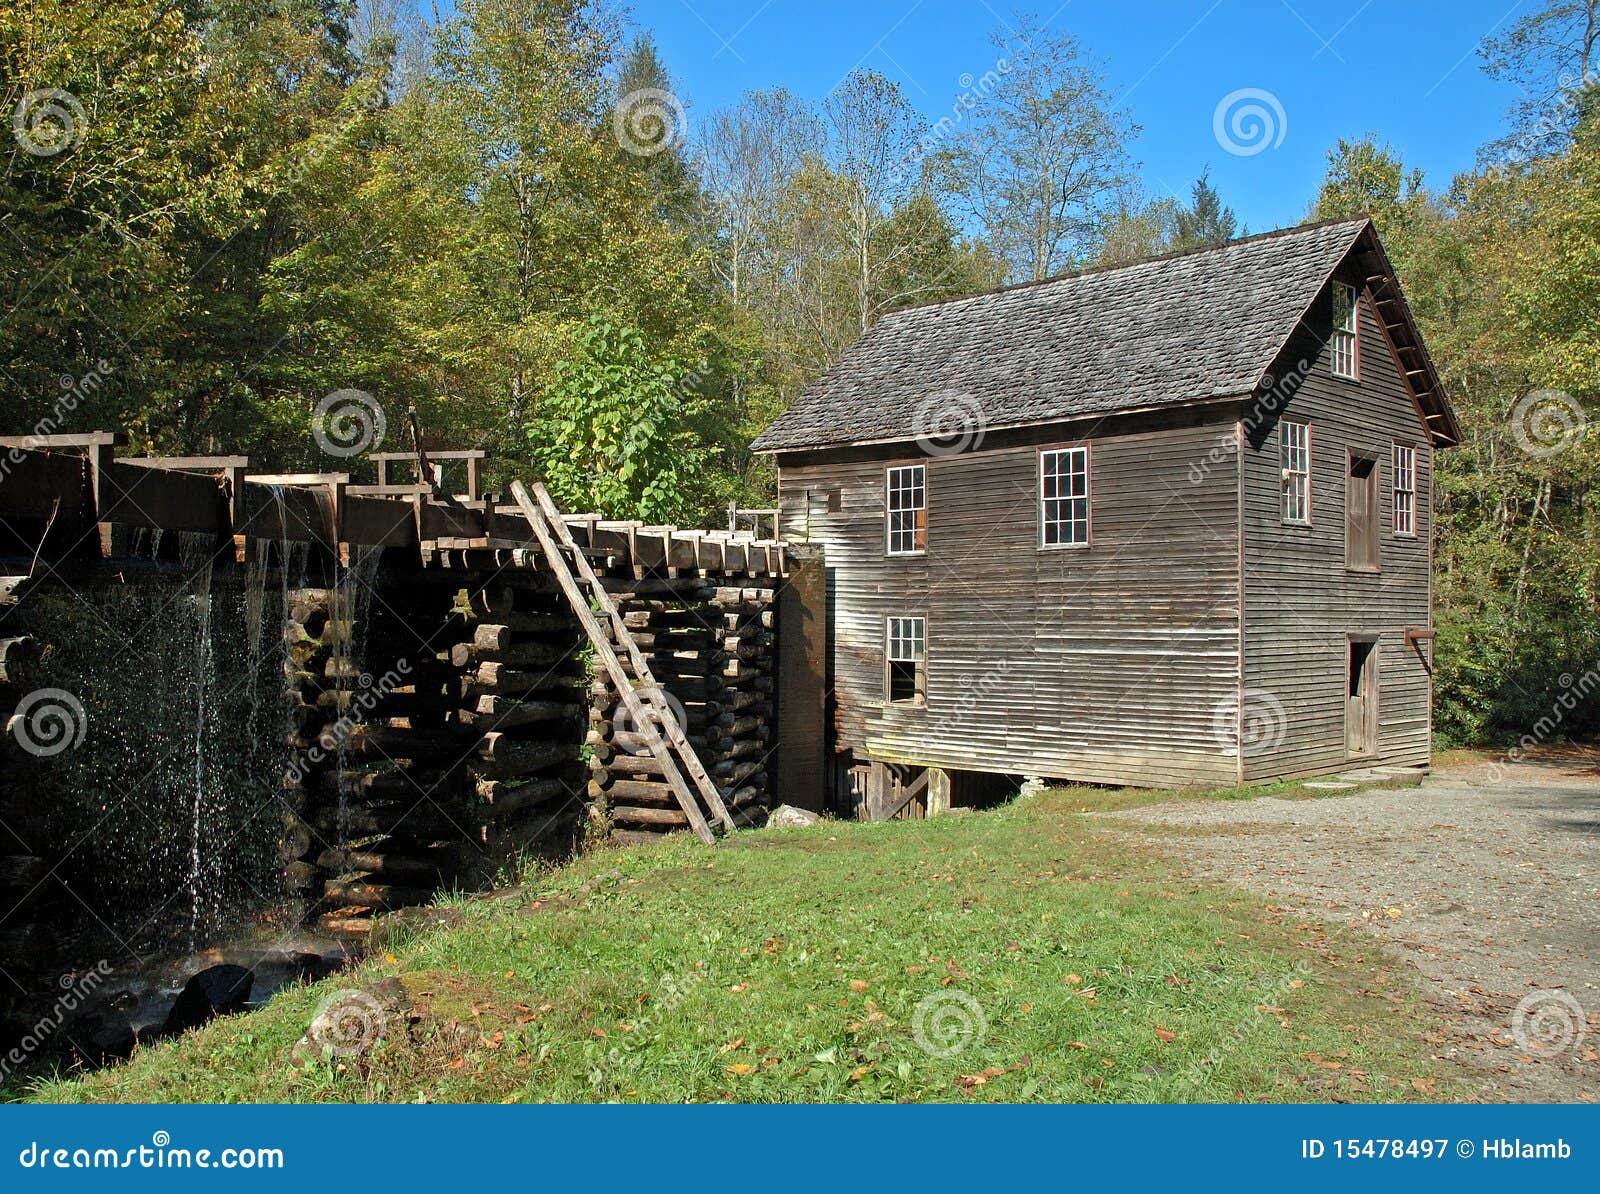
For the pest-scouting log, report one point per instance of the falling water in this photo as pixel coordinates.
(197, 556)
(164, 815)
(348, 616)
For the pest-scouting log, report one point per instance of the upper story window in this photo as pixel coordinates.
(1295, 455)
(1064, 497)
(907, 518)
(905, 677)
(1405, 490)
(1344, 341)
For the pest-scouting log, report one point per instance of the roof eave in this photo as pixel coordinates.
(1227, 395)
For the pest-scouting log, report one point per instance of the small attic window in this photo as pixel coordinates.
(1344, 340)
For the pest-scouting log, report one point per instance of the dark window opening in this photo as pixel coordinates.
(1361, 700)
(903, 685)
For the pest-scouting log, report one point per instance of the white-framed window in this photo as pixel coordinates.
(905, 673)
(1405, 490)
(906, 495)
(1344, 341)
(1295, 455)
(1064, 497)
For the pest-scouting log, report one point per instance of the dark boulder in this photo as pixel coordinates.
(215, 991)
(101, 1036)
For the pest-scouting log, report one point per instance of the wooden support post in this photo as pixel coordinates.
(938, 791)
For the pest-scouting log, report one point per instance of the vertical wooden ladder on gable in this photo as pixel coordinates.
(646, 703)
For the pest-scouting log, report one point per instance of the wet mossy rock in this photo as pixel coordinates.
(215, 991)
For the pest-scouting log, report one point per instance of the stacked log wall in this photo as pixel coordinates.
(713, 650)
(375, 796)
(520, 672)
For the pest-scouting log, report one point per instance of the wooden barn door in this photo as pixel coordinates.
(1361, 705)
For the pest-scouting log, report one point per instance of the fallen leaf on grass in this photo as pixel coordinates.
(857, 985)
(731, 1045)
(971, 1080)
(740, 1069)
(1165, 1037)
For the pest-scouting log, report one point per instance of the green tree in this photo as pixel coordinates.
(1552, 57)
(1044, 155)
(613, 430)
(1206, 220)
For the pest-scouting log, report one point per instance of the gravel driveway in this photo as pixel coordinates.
(1488, 876)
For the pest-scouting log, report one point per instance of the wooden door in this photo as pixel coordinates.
(1361, 704)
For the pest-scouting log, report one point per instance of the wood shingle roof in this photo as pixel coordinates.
(1169, 331)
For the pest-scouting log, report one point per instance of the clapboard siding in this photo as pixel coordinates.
(1301, 603)
(1103, 664)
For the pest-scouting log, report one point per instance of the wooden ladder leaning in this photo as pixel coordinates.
(652, 716)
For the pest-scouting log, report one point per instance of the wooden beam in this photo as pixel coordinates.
(450, 454)
(299, 478)
(162, 499)
(188, 464)
(43, 443)
(406, 490)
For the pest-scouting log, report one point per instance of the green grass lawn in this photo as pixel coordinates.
(1051, 960)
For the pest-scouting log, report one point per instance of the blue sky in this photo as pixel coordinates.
(1407, 70)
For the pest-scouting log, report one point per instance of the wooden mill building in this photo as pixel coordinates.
(1164, 523)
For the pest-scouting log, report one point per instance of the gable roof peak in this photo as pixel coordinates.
(1090, 271)
(1166, 331)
